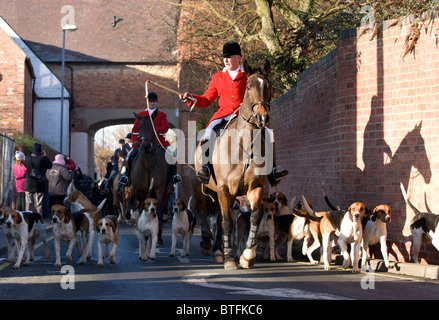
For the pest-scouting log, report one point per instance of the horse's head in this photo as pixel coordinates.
(146, 132)
(412, 152)
(419, 157)
(257, 96)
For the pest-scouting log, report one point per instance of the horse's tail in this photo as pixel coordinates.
(150, 188)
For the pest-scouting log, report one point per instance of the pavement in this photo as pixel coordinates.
(401, 268)
(398, 268)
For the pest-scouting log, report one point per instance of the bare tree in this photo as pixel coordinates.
(293, 34)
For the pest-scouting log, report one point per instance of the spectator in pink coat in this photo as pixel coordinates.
(19, 170)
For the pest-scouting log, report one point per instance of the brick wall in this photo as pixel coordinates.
(363, 119)
(15, 88)
(109, 86)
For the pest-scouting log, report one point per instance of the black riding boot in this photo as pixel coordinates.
(204, 171)
(124, 176)
(277, 173)
(176, 178)
(105, 190)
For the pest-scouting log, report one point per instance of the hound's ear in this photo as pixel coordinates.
(376, 211)
(19, 219)
(285, 202)
(113, 226)
(368, 212)
(66, 215)
(350, 209)
(183, 205)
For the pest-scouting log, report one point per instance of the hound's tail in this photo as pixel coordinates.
(311, 213)
(191, 216)
(31, 204)
(325, 196)
(404, 194)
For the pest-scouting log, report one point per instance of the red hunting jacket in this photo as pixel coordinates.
(161, 126)
(230, 93)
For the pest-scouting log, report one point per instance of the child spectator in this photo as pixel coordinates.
(19, 170)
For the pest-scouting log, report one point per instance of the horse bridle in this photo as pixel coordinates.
(253, 112)
(146, 138)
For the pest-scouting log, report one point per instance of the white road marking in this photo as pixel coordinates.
(201, 279)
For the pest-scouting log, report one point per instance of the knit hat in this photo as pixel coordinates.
(59, 159)
(19, 155)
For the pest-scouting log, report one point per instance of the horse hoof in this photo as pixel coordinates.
(205, 251)
(230, 265)
(247, 259)
(246, 264)
(218, 257)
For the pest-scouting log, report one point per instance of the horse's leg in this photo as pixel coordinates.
(206, 234)
(248, 257)
(160, 215)
(225, 200)
(218, 244)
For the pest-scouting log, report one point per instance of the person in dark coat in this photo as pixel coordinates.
(36, 165)
(58, 178)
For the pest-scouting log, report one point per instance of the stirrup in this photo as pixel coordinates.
(203, 173)
(275, 177)
(123, 180)
(177, 179)
(281, 174)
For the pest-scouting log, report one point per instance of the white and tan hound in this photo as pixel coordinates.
(65, 227)
(108, 232)
(183, 223)
(148, 226)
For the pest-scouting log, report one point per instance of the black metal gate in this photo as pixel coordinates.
(6, 163)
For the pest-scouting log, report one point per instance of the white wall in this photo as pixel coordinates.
(81, 152)
(47, 123)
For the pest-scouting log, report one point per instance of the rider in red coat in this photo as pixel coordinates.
(229, 85)
(161, 127)
(160, 122)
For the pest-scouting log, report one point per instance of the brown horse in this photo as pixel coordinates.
(150, 165)
(240, 164)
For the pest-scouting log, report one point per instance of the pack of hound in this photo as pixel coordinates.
(353, 230)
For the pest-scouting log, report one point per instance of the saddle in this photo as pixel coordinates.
(221, 127)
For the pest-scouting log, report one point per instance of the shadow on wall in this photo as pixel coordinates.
(384, 170)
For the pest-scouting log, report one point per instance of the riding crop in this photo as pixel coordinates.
(175, 92)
